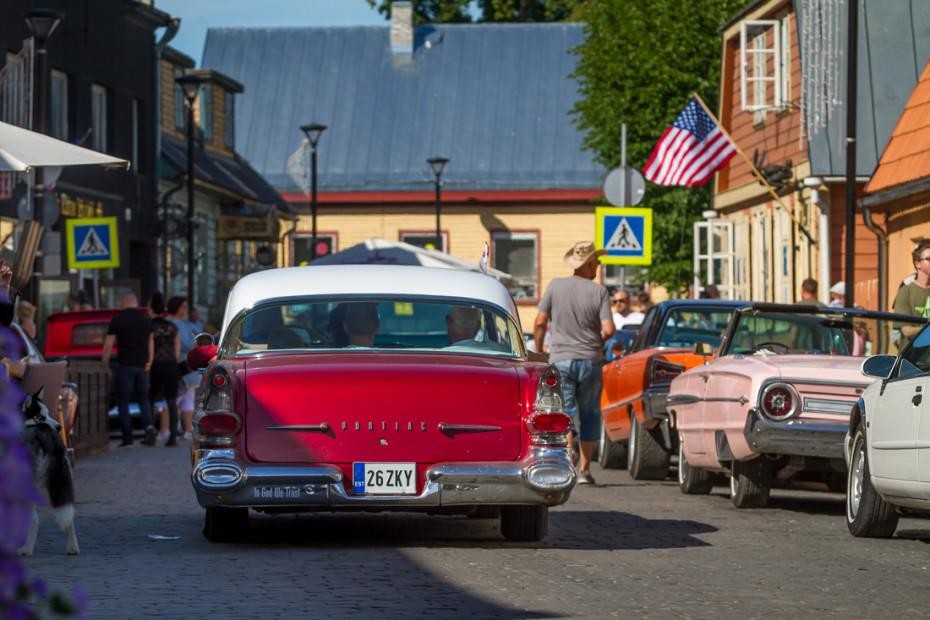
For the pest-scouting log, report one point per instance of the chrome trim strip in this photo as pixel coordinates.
(323, 427)
(466, 428)
(690, 399)
(809, 381)
(827, 405)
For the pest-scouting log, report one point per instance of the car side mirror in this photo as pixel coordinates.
(203, 339)
(878, 366)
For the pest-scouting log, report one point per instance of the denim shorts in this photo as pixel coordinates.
(581, 393)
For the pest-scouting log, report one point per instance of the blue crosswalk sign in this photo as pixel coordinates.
(625, 234)
(92, 242)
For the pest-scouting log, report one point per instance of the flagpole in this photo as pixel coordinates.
(755, 170)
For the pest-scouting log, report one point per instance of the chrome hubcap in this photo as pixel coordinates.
(856, 474)
(681, 462)
(631, 448)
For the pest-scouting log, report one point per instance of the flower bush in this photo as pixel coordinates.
(21, 596)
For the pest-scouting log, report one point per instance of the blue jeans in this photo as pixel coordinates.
(132, 385)
(581, 393)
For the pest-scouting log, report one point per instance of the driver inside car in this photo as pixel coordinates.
(462, 323)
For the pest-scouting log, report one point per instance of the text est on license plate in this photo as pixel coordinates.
(384, 478)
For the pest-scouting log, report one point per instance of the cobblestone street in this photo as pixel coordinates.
(618, 549)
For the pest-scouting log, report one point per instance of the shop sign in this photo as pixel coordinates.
(247, 228)
(70, 206)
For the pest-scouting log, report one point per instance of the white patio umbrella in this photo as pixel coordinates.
(22, 150)
(383, 252)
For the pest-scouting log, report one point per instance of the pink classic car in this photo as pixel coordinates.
(775, 403)
(376, 388)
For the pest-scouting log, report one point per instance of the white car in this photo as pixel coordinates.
(888, 443)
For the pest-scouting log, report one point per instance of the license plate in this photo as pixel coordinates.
(384, 478)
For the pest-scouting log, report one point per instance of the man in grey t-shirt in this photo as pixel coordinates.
(579, 311)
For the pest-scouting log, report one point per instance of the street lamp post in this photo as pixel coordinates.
(313, 131)
(437, 164)
(190, 85)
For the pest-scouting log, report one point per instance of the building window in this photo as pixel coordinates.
(206, 111)
(426, 240)
(516, 254)
(325, 244)
(58, 95)
(136, 135)
(98, 113)
(229, 121)
(180, 114)
(714, 257)
(764, 59)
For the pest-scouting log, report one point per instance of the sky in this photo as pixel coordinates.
(198, 15)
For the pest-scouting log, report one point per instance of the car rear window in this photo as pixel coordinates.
(374, 324)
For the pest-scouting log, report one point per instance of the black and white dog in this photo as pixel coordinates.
(51, 470)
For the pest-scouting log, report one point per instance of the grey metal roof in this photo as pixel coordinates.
(894, 46)
(493, 98)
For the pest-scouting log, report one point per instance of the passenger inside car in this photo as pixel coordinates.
(361, 323)
(462, 324)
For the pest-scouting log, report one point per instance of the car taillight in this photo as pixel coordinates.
(547, 424)
(664, 371)
(217, 422)
(779, 401)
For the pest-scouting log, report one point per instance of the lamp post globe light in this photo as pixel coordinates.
(190, 85)
(437, 164)
(313, 131)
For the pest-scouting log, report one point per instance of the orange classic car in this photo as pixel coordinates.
(636, 431)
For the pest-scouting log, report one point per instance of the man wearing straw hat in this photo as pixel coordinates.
(581, 321)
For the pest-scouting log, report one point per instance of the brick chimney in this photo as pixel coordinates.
(401, 27)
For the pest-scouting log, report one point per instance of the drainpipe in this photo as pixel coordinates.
(882, 246)
(814, 184)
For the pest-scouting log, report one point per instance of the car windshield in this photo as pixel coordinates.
(817, 333)
(686, 327)
(373, 324)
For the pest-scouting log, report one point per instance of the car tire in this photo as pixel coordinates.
(224, 525)
(611, 454)
(524, 523)
(647, 458)
(692, 480)
(867, 513)
(751, 483)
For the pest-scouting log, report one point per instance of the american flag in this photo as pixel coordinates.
(689, 151)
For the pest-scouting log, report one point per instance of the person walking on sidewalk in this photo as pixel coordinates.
(165, 374)
(914, 298)
(581, 321)
(131, 332)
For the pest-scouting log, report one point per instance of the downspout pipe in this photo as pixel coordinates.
(882, 237)
(814, 184)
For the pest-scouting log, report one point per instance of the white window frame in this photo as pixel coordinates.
(706, 229)
(518, 236)
(98, 107)
(58, 121)
(754, 54)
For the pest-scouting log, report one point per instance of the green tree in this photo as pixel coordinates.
(639, 64)
(457, 11)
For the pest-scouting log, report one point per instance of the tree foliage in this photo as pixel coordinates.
(639, 64)
(457, 11)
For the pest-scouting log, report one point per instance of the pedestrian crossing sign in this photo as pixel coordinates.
(92, 242)
(626, 235)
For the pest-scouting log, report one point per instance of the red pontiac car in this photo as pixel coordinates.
(374, 387)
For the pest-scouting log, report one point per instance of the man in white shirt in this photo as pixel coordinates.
(621, 310)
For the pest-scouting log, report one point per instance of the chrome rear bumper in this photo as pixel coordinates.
(795, 437)
(545, 477)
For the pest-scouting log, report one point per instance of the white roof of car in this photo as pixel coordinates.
(373, 280)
